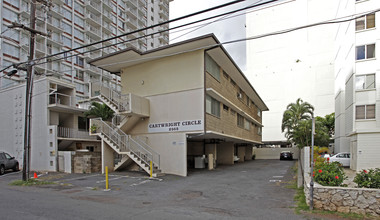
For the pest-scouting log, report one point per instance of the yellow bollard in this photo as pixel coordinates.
(106, 178)
(151, 169)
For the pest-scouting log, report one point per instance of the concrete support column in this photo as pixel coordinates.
(241, 154)
(248, 153)
(225, 153)
(107, 157)
(211, 149)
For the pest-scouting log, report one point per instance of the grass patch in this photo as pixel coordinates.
(301, 201)
(344, 215)
(30, 182)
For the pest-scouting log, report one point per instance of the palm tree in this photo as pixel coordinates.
(293, 115)
(99, 110)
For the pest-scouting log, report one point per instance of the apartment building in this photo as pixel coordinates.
(58, 125)
(178, 105)
(75, 23)
(357, 96)
(296, 64)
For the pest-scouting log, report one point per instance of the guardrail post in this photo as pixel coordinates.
(106, 177)
(151, 169)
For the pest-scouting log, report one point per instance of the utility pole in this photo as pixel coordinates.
(312, 162)
(29, 82)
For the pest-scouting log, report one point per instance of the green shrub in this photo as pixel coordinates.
(368, 179)
(329, 174)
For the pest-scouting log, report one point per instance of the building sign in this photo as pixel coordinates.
(188, 125)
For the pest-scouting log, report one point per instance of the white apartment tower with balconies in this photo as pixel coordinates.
(75, 23)
(357, 97)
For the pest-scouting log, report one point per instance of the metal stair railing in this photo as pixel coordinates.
(126, 143)
(121, 101)
(154, 157)
(117, 119)
(117, 136)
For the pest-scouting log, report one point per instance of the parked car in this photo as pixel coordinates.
(343, 158)
(325, 155)
(286, 155)
(7, 162)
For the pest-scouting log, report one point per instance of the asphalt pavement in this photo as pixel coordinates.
(251, 190)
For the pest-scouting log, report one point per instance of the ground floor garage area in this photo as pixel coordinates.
(209, 154)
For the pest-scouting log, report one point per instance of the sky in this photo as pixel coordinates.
(225, 30)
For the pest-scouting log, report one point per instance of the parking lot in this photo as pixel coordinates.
(251, 190)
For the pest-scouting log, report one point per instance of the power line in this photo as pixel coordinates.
(142, 29)
(157, 32)
(217, 20)
(332, 21)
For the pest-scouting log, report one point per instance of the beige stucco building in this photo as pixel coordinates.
(178, 103)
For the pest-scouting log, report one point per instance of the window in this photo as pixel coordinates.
(78, 34)
(259, 112)
(212, 67)
(78, 21)
(365, 52)
(15, 3)
(10, 15)
(79, 61)
(78, 7)
(246, 124)
(66, 41)
(365, 22)
(11, 33)
(365, 82)
(225, 75)
(225, 107)
(66, 28)
(67, 14)
(240, 120)
(212, 106)
(247, 101)
(11, 50)
(259, 130)
(365, 112)
(233, 83)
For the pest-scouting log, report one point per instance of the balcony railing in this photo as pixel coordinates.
(62, 99)
(74, 133)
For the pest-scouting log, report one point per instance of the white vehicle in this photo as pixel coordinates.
(343, 158)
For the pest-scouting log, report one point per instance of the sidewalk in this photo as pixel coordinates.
(350, 178)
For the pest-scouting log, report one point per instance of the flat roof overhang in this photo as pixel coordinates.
(115, 62)
(209, 135)
(66, 109)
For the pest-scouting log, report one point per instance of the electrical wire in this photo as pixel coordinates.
(332, 21)
(217, 20)
(157, 32)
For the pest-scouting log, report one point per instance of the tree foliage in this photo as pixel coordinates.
(297, 124)
(99, 110)
(329, 122)
(294, 121)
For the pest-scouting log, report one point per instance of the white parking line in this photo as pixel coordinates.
(77, 178)
(140, 183)
(102, 181)
(10, 173)
(273, 181)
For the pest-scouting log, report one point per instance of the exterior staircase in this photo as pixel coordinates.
(132, 147)
(129, 109)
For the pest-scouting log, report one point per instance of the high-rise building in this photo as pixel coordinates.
(357, 122)
(75, 23)
(297, 64)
